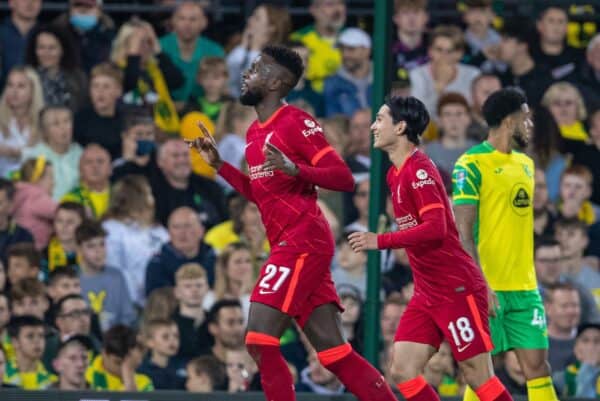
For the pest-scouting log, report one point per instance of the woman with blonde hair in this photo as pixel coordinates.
(33, 206)
(150, 75)
(566, 104)
(268, 24)
(20, 105)
(234, 276)
(133, 237)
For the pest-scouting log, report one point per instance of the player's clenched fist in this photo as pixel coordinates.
(362, 241)
(207, 147)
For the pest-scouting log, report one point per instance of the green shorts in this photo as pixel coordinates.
(520, 322)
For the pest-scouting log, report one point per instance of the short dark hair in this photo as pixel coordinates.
(209, 365)
(136, 115)
(213, 314)
(119, 340)
(519, 29)
(477, 3)
(59, 305)
(25, 250)
(561, 286)
(89, 230)
(82, 340)
(62, 272)
(572, 223)
(546, 6)
(72, 207)
(502, 104)
(412, 111)
(19, 322)
(49, 108)
(288, 59)
(27, 287)
(7, 186)
(545, 241)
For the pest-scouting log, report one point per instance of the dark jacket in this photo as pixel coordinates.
(13, 235)
(162, 267)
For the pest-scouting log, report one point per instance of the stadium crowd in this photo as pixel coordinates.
(127, 264)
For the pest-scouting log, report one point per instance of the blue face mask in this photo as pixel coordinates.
(85, 22)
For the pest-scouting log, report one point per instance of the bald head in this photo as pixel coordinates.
(186, 231)
(94, 167)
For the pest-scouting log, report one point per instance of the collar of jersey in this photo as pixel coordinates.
(399, 169)
(273, 116)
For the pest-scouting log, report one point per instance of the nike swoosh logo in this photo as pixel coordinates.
(461, 349)
(265, 292)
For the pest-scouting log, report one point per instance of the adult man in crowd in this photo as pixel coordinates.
(562, 305)
(226, 325)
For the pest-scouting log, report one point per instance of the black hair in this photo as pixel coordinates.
(82, 340)
(73, 207)
(501, 104)
(88, 230)
(546, 6)
(412, 111)
(545, 241)
(60, 272)
(288, 59)
(213, 314)
(19, 322)
(69, 60)
(7, 186)
(119, 340)
(519, 29)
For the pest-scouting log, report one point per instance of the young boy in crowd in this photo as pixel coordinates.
(582, 378)
(56, 126)
(212, 77)
(481, 38)
(103, 286)
(191, 287)
(62, 249)
(28, 298)
(115, 368)
(351, 267)
(62, 282)
(162, 339)
(205, 374)
(26, 370)
(71, 362)
(24, 261)
(102, 123)
(410, 49)
(575, 193)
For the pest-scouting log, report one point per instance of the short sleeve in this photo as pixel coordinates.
(309, 139)
(466, 182)
(424, 188)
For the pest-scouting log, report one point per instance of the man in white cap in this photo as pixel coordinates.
(349, 89)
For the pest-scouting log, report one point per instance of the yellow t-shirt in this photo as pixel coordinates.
(100, 379)
(501, 186)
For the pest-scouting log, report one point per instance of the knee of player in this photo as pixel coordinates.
(534, 368)
(402, 371)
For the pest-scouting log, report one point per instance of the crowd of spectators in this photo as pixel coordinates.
(127, 264)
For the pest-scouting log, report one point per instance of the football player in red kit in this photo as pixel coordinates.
(450, 296)
(288, 156)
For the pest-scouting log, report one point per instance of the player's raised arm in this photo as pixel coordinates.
(207, 147)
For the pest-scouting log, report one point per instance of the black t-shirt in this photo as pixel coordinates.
(13, 235)
(195, 340)
(89, 127)
(534, 83)
(589, 156)
(561, 66)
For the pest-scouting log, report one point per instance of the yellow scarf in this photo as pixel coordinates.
(57, 256)
(586, 213)
(575, 132)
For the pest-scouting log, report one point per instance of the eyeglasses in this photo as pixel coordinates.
(76, 314)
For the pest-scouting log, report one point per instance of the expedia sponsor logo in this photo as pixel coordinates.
(520, 200)
(312, 131)
(422, 183)
(405, 222)
(257, 172)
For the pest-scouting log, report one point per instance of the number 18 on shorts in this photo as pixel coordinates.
(462, 322)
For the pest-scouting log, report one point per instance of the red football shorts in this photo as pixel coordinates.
(296, 284)
(463, 322)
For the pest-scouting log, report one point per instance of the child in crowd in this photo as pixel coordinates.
(205, 374)
(212, 77)
(351, 267)
(33, 206)
(26, 370)
(28, 298)
(162, 339)
(62, 249)
(575, 193)
(63, 281)
(23, 262)
(115, 368)
(56, 123)
(103, 286)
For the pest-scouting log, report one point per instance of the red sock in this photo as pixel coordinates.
(275, 376)
(418, 389)
(359, 377)
(493, 390)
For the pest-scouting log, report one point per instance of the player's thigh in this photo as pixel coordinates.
(409, 359)
(287, 280)
(267, 320)
(417, 326)
(524, 320)
(324, 327)
(464, 322)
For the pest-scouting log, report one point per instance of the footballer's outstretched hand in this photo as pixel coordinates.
(275, 159)
(362, 241)
(207, 147)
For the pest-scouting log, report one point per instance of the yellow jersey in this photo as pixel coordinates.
(100, 379)
(501, 186)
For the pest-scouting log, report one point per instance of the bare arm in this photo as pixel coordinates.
(465, 216)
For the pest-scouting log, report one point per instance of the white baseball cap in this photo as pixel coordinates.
(354, 37)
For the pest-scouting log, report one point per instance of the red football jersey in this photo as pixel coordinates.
(288, 205)
(426, 228)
